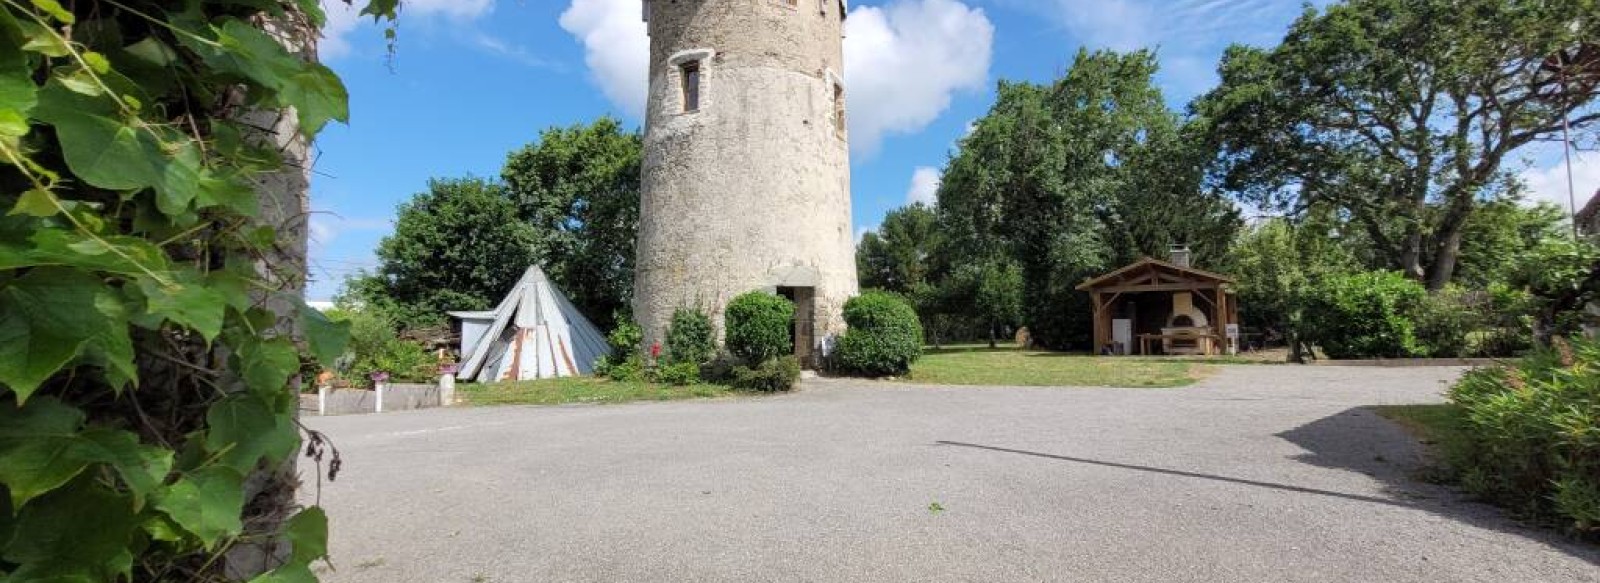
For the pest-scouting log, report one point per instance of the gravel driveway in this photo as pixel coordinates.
(1261, 473)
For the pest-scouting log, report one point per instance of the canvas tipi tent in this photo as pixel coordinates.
(535, 333)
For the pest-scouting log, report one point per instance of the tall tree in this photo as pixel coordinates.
(1403, 113)
(898, 256)
(458, 246)
(579, 189)
(1067, 179)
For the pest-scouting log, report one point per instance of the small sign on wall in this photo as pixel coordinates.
(1233, 331)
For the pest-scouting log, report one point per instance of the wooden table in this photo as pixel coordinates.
(1205, 342)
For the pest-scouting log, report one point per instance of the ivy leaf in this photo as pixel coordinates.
(18, 93)
(143, 468)
(290, 573)
(35, 203)
(326, 337)
(47, 318)
(266, 365)
(55, 10)
(39, 448)
(152, 50)
(244, 429)
(100, 149)
(228, 192)
(206, 502)
(187, 301)
(318, 96)
(178, 182)
(308, 534)
(65, 247)
(43, 40)
(80, 532)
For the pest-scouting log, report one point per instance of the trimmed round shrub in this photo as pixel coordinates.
(884, 338)
(775, 375)
(1367, 315)
(758, 327)
(689, 337)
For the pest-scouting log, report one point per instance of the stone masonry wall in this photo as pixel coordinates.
(752, 191)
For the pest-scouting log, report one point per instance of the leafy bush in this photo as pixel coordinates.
(624, 340)
(758, 327)
(884, 338)
(376, 347)
(679, 374)
(1446, 322)
(1533, 439)
(774, 375)
(1367, 315)
(690, 338)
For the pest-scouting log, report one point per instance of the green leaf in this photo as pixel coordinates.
(81, 532)
(318, 96)
(97, 62)
(229, 192)
(244, 429)
(266, 365)
(55, 10)
(18, 93)
(178, 182)
(66, 247)
(308, 534)
(152, 50)
(326, 337)
(206, 502)
(43, 40)
(100, 149)
(39, 448)
(143, 468)
(35, 203)
(47, 318)
(187, 301)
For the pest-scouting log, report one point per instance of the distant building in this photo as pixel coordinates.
(1588, 219)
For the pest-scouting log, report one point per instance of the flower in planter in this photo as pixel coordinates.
(380, 377)
(449, 368)
(655, 351)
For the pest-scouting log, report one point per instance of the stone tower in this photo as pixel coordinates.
(746, 163)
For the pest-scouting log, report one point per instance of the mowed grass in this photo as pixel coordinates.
(1011, 367)
(1441, 426)
(580, 390)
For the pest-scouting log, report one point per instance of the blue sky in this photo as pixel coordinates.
(474, 79)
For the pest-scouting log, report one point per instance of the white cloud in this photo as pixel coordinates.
(925, 182)
(1549, 184)
(343, 18)
(616, 48)
(326, 227)
(905, 61)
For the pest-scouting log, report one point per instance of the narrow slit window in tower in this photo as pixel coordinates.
(838, 109)
(691, 85)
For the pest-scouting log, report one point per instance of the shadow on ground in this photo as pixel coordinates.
(1358, 440)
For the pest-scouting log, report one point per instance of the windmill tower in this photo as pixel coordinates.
(746, 180)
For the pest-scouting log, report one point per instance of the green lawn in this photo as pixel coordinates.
(580, 390)
(1441, 426)
(980, 365)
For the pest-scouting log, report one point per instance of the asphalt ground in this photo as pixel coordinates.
(1260, 473)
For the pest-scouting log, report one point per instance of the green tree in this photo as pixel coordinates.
(1563, 277)
(578, 187)
(1402, 114)
(1279, 265)
(458, 246)
(897, 257)
(1067, 179)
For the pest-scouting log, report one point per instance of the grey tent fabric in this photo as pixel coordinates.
(535, 333)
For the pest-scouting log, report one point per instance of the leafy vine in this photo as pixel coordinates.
(151, 325)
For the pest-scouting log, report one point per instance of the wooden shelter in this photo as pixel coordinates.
(1153, 303)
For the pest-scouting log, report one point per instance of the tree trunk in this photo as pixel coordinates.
(284, 204)
(991, 335)
(1444, 261)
